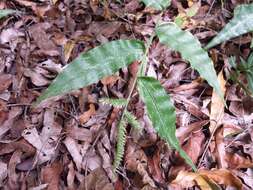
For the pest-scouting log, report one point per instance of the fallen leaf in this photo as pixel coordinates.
(5, 82)
(42, 39)
(189, 179)
(217, 106)
(10, 34)
(86, 115)
(194, 146)
(222, 176)
(51, 175)
(96, 180)
(74, 151)
(110, 80)
(68, 47)
(235, 161)
(3, 172)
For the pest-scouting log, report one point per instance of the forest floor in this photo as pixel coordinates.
(68, 142)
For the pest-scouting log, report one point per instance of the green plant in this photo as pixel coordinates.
(108, 58)
(190, 48)
(157, 4)
(241, 23)
(244, 67)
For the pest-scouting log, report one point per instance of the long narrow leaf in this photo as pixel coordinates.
(241, 23)
(157, 4)
(93, 65)
(190, 48)
(161, 112)
(6, 12)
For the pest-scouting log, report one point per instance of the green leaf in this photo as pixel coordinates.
(93, 65)
(6, 12)
(241, 23)
(190, 48)
(161, 112)
(157, 4)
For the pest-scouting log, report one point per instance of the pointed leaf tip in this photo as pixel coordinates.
(93, 65)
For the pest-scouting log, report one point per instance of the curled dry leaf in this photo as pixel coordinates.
(136, 161)
(68, 47)
(86, 115)
(222, 176)
(189, 179)
(235, 161)
(217, 105)
(36, 76)
(207, 179)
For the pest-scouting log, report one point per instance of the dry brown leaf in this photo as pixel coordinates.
(51, 175)
(86, 115)
(74, 151)
(10, 34)
(222, 176)
(235, 161)
(217, 106)
(40, 187)
(41, 38)
(78, 133)
(220, 149)
(68, 47)
(110, 80)
(13, 114)
(5, 81)
(96, 180)
(3, 172)
(136, 161)
(194, 146)
(36, 77)
(189, 179)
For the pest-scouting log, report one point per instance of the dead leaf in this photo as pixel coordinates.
(96, 180)
(188, 179)
(41, 38)
(217, 106)
(68, 47)
(51, 175)
(110, 80)
(78, 133)
(5, 82)
(74, 151)
(37, 78)
(10, 34)
(194, 147)
(3, 172)
(86, 115)
(235, 161)
(222, 176)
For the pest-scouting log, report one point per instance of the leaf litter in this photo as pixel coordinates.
(69, 142)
